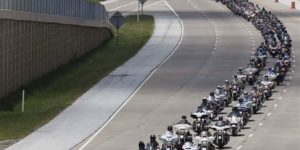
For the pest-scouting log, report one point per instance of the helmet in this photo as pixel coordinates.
(152, 137)
(234, 109)
(141, 145)
(245, 93)
(240, 69)
(255, 87)
(219, 87)
(226, 82)
(235, 76)
(204, 100)
(212, 93)
(183, 117)
(189, 139)
(266, 77)
(241, 100)
(221, 118)
(170, 128)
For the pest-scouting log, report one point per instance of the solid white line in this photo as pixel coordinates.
(117, 8)
(269, 114)
(260, 124)
(280, 98)
(120, 108)
(275, 105)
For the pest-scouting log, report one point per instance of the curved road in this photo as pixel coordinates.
(214, 45)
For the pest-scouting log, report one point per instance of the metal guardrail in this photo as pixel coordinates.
(82, 9)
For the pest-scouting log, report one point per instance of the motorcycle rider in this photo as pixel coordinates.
(204, 104)
(153, 144)
(211, 97)
(184, 120)
(220, 122)
(240, 71)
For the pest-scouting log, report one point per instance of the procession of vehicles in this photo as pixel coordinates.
(249, 88)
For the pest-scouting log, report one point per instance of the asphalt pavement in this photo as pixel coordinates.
(95, 107)
(215, 43)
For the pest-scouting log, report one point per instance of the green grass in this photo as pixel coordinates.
(48, 96)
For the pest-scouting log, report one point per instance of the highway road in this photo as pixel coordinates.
(215, 43)
(280, 130)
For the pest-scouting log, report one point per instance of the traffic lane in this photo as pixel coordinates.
(282, 127)
(256, 36)
(176, 88)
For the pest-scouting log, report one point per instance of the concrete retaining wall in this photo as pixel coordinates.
(31, 49)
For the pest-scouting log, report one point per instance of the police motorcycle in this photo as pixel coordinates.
(182, 129)
(201, 120)
(221, 96)
(228, 90)
(251, 73)
(220, 133)
(205, 141)
(169, 139)
(235, 121)
(267, 87)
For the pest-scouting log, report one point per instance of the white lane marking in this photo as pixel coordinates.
(120, 108)
(250, 135)
(275, 105)
(280, 98)
(293, 71)
(260, 124)
(288, 83)
(239, 147)
(122, 6)
(291, 77)
(284, 90)
(294, 61)
(269, 114)
(212, 52)
(144, 7)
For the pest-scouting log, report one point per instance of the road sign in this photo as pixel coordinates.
(117, 20)
(142, 1)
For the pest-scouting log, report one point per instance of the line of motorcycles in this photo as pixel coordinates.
(179, 137)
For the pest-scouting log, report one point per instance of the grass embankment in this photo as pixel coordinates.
(48, 96)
